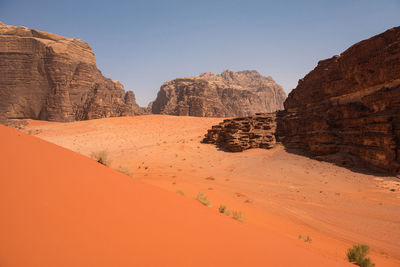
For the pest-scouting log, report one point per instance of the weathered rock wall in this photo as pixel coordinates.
(348, 107)
(229, 94)
(347, 110)
(49, 77)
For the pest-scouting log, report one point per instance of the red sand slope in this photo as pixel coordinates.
(59, 208)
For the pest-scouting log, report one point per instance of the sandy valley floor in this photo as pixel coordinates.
(288, 193)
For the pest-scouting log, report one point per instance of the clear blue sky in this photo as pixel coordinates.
(145, 43)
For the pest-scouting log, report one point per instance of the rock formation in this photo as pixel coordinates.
(239, 134)
(348, 107)
(229, 94)
(347, 110)
(49, 77)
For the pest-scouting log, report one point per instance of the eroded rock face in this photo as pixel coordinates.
(239, 134)
(347, 110)
(230, 94)
(49, 77)
(348, 107)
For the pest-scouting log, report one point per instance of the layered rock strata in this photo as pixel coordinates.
(348, 107)
(229, 94)
(49, 77)
(239, 134)
(346, 110)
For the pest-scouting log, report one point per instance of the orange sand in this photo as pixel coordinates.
(279, 193)
(59, 208)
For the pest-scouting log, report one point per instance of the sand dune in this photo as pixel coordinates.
(59, 208)
(280, 194)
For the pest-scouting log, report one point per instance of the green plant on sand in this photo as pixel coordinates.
(357, 255)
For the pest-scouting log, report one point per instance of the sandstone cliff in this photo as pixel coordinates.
(49, 77)
(348, 107)
(229, 94)
(347, 110)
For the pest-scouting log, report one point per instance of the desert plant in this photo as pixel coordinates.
(202, 198)
(125, 170)
(357, 255)
(237, 215)
(101, 157)
(223, 209)
(180, 192)
(307, 239)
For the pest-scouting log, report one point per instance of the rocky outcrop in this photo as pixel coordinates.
(49, 77)
(230, 94)
(348, 107)
(239, 134)
(347, 110)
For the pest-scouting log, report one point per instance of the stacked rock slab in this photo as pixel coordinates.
(49, 77)
(239, 134)
(348, 107)
(229, 94)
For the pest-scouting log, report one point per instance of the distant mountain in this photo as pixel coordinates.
(228, 94)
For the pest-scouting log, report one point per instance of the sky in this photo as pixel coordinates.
(146, 43)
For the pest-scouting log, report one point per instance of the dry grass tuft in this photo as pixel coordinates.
(238, 215)
(202, 198)
(125, 170)
(223, 209)
(101, 157)
(180, 192)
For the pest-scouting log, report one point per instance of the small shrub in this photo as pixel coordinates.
(101, 157)
(125, 170)
(202, 198)
(357, 255)
(223, 209)
(237, 215)
(180, 192)
(305, 238)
